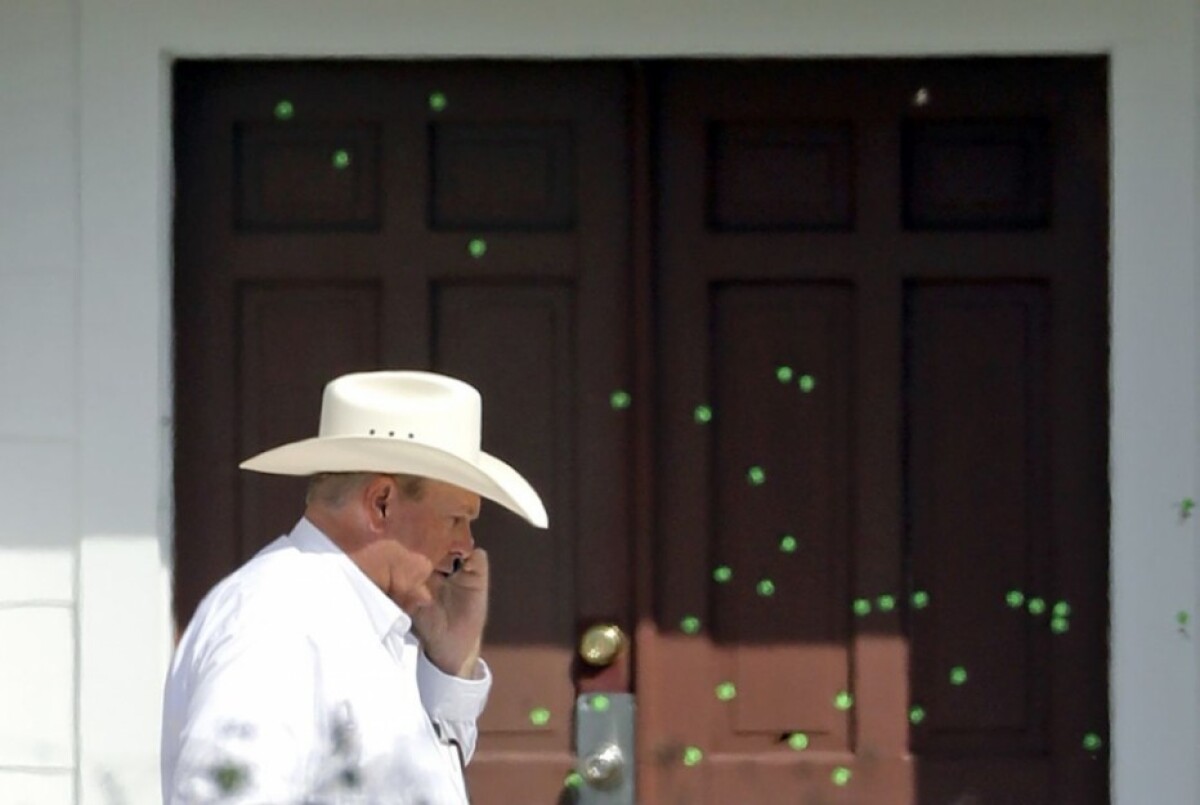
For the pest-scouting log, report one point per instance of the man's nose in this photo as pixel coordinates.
(464, 541)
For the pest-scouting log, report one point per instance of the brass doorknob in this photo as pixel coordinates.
(601, 644)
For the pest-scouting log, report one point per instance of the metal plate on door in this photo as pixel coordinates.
(604, 748)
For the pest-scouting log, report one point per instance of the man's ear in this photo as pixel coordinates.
(379, 498)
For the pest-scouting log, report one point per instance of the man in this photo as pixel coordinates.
(341, 663)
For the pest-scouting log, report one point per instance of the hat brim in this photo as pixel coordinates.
(490, 477)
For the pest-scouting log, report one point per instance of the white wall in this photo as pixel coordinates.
(84, 329)
(39, 378)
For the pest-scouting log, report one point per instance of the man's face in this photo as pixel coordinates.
(428, 535)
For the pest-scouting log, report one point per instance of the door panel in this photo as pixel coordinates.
(979, 525)
(871, 272)
(514, 343)
(333, 325)
(462, 218)
(787, 670)
(806, 358)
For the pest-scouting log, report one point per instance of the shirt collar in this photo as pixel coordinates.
(385, 615)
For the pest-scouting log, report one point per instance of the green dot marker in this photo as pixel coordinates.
(1062, 610)
(573, 780)
(284, 110)
(807, 383)
(722, 574)
(702, 415)
(784, 374)
(920, 599)
(690, 624)
(916, 714)
(862, 607)
(341, 159)
(886, 603)
(840, 776)
(958, 675)
(231, 778)
(1037, 606)
(798, 741)
(539, 716)
(766, 588)
(437, 101)
(477, 247)
(787, 544)
(726, 691)
(843, 700)
(600, 703)
(1060, 625)
(1092, 742)
(756, 475)
(1182, 618)
(620, 400)
(692, 756)
(1015, 599)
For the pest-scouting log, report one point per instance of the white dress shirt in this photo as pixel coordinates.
(298, 681)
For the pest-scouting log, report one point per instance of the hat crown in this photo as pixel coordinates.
(418, 407)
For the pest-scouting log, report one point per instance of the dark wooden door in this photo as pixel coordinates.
(467, 218)
(807, 359)
(883, 421)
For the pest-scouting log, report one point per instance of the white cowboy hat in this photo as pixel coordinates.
(414, 423)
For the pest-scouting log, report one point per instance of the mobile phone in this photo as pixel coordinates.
(455, 566)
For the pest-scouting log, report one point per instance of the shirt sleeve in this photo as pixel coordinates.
(248, 728)
(453, 703)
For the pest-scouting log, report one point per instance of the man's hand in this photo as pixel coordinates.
(451, 627)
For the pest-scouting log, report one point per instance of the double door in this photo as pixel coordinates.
(806, 359)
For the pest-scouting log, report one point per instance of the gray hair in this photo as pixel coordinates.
(332, 488)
